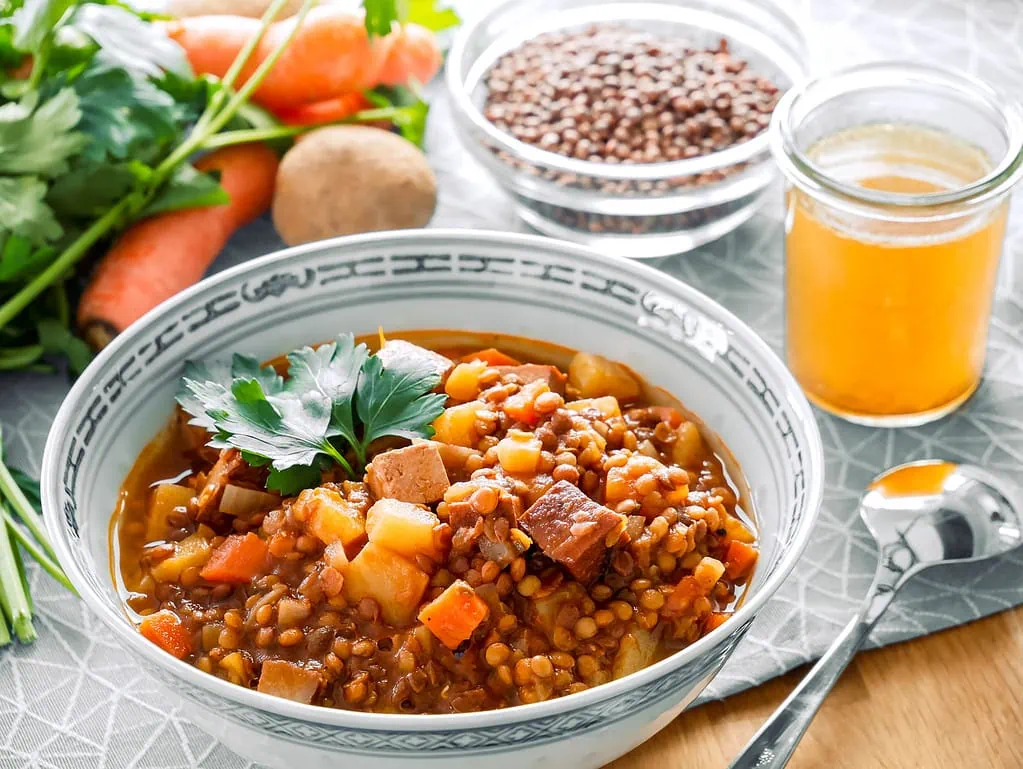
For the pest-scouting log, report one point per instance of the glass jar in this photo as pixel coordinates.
(897, 187)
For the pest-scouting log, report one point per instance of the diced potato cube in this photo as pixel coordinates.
(163, 500)
(391, 580)
(463, 382)
(636, 651)
(454, 614)
(193, 550)
(545, 610)
(688, 449)
(736, 529)
(594, 375)
(330, 517)
(457, 425)
(288, 680)
(519, 452)
(607, 405)
(405, 528)
(238, 500)
(707, 572)
(237, 667)
(334, 555)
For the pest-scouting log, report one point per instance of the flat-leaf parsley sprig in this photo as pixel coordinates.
(337, 399)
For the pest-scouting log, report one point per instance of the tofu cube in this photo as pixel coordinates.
(413, 474)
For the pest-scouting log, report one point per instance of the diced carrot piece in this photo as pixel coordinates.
(492, 356)
(739, 560)
(668, 414)
(238, 559)
(715, 620)
(520, 405)
(454, 614)
(682, 597)
(166, 630)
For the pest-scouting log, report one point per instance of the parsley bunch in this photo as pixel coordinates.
(100, 116)
(337, 400)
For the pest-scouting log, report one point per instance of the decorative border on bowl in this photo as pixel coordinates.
(476, 740)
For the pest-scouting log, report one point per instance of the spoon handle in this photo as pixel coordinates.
(774, 744)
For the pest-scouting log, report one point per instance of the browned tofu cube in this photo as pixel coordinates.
(395, 350)
(288, 680)
(573, 530)
(534, 372)
(413, 474)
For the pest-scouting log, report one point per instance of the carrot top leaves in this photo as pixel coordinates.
(338, 398)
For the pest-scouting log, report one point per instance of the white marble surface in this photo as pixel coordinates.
(73, 701)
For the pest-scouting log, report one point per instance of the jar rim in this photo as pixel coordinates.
(801, 170)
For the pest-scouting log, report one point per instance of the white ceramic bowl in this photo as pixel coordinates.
(516, 284)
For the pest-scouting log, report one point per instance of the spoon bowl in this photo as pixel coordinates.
(927, 513)
(921, 514)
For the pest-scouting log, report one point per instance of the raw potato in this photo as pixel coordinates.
(254, 9)
(343, 180)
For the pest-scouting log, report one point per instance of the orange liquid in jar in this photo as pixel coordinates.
(888, 320)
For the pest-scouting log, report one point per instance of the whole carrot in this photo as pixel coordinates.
(327, 111)
(156, 258)
(330, 55)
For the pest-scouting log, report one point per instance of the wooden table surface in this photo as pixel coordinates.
(951, 699)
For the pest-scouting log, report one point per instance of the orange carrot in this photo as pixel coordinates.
(166, 630)
(739, 560)
(492, 356)
(681, 598)
(522, 405)
(410, 54)
(158, 257)
(330, 55)
(237, 560)
(667, 414)
(454, 614)
(328, 111)
(715, 620)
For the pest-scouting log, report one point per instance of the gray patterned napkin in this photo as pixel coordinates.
(73, 699)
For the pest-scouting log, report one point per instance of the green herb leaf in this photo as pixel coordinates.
(125, 114)
(435, 16)
(332, 370)
(90, 188)
(131, 42)
(35, 21)
(24, 211)
(38, 138)
(380, 15)
(57, 339)
(410, 110)
(188, 188)
(290, 482)
(19, 258)
(394, 400)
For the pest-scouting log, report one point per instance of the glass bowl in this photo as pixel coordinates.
(638, 210)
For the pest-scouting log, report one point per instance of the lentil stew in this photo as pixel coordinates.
(561, 524)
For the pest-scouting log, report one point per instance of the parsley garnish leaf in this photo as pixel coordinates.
(336, 396)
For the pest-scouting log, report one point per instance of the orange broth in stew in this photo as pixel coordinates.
(573, 526)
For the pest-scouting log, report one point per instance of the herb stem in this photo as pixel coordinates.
(5, 634)
(13, 599)
(245, 136)
(338, 457)
(20, 357)
(71, 255)
(16, 497)
(50, 566)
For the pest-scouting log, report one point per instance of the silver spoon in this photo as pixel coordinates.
(921, 514)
